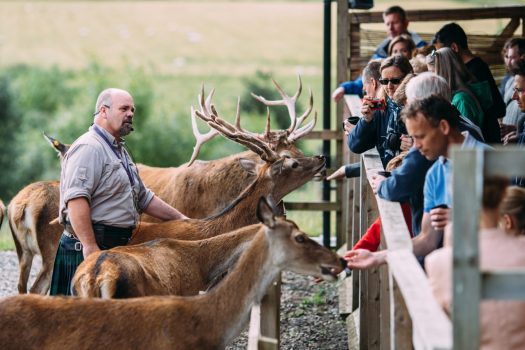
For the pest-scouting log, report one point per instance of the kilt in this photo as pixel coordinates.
(66, 262)
(69, 254)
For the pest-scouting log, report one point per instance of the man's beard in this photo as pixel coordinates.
(126, 129)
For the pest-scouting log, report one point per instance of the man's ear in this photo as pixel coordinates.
(444, 126)
(454, 47)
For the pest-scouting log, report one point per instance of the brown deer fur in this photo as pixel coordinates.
(273, 180)
(30, 213)
(2, 212)
(160, 267)
(209, 321)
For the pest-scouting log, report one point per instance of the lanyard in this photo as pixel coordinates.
(125, 164)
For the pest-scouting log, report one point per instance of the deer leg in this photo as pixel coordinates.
(43, 280)
(25, 261)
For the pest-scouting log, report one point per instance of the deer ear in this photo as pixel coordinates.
(265, 213)
(248, 165)
(57, 145)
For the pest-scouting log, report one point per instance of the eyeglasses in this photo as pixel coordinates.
(394, 81)
(97, 112)
(518, 90)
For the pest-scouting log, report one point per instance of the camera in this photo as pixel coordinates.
(376, 103)
(393, 141)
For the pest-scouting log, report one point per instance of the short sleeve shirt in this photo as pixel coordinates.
(438, 181)
(91, 169)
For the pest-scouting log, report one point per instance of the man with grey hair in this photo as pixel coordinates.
(101, 193)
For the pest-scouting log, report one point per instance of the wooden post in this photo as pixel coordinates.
(270, 311)
(466, 280)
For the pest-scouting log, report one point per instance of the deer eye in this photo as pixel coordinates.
(300, 239)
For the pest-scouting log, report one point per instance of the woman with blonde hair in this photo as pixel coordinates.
(470, 97)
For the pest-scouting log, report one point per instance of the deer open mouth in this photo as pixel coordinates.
(320, 172)
(330, 272)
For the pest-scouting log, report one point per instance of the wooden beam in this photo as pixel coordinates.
(443, 15)
(505, 161)
(312, 206)
(503, 285)
(324, 135)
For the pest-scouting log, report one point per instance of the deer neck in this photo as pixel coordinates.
(222, 252)
(242, 211)
(242, 288)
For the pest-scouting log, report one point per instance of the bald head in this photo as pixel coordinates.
(106, 97)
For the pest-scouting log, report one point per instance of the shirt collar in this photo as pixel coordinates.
(110, 137)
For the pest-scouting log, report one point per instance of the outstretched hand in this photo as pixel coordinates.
(338, 174)
(361, 259)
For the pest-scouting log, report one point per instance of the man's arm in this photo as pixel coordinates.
(162, 210)
(79, 214)
(429, 238)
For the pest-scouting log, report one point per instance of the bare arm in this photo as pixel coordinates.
(79, 213)
(428, 239)
(162, 210)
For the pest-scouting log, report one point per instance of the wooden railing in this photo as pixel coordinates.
(393, 307)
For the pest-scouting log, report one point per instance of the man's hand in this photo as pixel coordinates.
(366, 111)
(338, 93)
(511, 137)
(89, 249)
(505, 129)
(376, 181)
(338, 174)
(439, 217)
(361, 259)
(406, 142)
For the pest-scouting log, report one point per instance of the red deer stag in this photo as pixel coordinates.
(209, 321)
(216, 183)
(274, 178)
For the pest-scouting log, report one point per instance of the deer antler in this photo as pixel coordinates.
(293, 132)
(205, 106)
(237, 134)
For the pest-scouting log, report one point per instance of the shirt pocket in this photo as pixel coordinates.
(114, 178)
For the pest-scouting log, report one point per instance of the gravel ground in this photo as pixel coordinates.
(309, 311)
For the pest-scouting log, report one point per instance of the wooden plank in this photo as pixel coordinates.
(324, 135)
(503, 285)
(401, 327)
(466, 276)
(364, 309)
(270, 310)
(254, 330)
(352, 329)
(505, 161)
(395, 228)
(443, 15)
(430, 324)
(374, 309)
(353, 103)
(384, 314)
(313, 206)
(345, 296)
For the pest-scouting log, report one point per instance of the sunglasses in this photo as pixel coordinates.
(394, 81)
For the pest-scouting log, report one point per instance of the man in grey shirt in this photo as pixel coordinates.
(101, 193)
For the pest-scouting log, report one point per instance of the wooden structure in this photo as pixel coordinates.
(470, 284)
(393, 304)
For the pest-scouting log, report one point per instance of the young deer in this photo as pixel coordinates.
(161, 267)
(209, 321)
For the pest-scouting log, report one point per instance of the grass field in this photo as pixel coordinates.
(183, 44)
